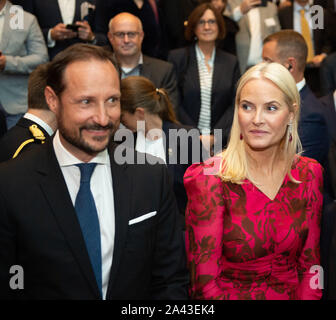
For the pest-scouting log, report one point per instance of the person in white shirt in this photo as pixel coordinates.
(255, 23)
(22, 49)
(55, 15)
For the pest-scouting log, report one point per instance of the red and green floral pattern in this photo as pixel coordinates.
(243, 245)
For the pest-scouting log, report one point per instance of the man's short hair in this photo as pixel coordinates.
(74, 53)
(290, 44)
(36, 84)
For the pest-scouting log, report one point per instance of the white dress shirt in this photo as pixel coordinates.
(334, 95)
(102, 191)
(152, 147)
(2, 19)
(301, 84)
(40, 122)
(67, 9)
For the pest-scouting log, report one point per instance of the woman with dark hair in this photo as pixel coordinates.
(148, 112)
(207, 76)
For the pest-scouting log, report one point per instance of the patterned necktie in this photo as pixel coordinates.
(305, 31)
(88, 219)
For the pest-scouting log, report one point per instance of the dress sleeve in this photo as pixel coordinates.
(309, 260)
(204, 230)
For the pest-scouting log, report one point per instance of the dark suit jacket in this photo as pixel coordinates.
(49, 15)
(162, 74)
(3, 125)
(13, 138)
(322, 37)
(41, 233)
(328, 74)
(313, 129)
(225, 77)
(329, 206)
(174, 149)
(330, 115)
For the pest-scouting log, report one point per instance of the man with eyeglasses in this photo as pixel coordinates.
(126, 36)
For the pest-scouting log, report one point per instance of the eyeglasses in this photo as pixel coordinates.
(121, 35)
(210, 22)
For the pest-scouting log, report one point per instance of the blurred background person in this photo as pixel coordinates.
(207, 76)
(317, 32)
(253, 213)
(54, 16)
(255, 23)
(148, 11)
(126, 37)
(229, 42)
(142, 101)
(21, 51)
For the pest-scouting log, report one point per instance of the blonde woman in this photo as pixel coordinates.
(253, 213)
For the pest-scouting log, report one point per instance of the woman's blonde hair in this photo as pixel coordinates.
(234, 164)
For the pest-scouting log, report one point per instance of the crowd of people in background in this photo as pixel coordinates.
(253, 81)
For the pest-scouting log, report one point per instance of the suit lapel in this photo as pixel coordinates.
(55, 190)
(216, 79)
(145, 69)
(194, 80)
(122, 194)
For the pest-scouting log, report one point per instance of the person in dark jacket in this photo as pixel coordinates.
(207, 75)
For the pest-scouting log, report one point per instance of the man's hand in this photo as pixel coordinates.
(2, 62)
(84, 32)
(317, 60)
(61, 33)
(247, 5)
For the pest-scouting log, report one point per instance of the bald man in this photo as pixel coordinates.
(126, 35)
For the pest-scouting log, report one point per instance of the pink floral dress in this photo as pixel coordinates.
(242, 245)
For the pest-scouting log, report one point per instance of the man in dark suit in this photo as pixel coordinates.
(126, 36)
(289, 48)
(36, 126)
(321, 37)
(54, 15)
(86, 226)
(329, 212)
(149, 13)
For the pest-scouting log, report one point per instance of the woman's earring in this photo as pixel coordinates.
(241, 137)
(290, 137)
